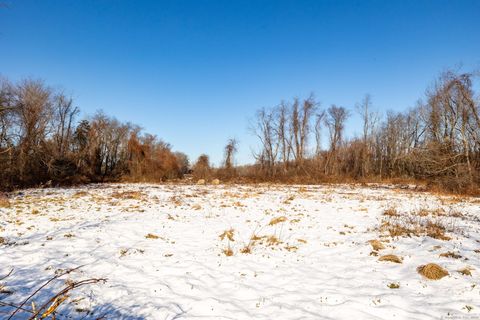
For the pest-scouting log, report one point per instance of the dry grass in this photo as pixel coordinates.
(391, 212)
(450, 254)
(394, 285)
(228, 252)
(152, 236)
(277, 220)
(273, 240)
(196, 207)
(376, 245)
(228, 234)
(256, 237)
(128, 195)
(467, 271)
(432, 271)
(390, 258)
(246, 250)
(80, 194)
(291, 248)
(431, 223)
(43, 301)
(4, 202)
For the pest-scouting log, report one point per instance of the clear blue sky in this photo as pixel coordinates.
(194, 72)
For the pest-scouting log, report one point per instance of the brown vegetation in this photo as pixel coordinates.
(450, 254)
(41, 304)
(41, 143)
(436, 142)
(416, 223)
(390, 258)
(376, 245)
(432, 271)
(465, 271)
(228, 234)
(4, 202)
(277, 220)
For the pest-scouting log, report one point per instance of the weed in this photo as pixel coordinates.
(467, 271)
(450, 254)
(228, 234)
(390, 258)
(432, 271)
(376, 245)
(394, 285)
(277, 220)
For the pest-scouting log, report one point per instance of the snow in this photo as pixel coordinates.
(318, 265)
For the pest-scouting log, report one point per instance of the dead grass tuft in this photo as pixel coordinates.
(152, 236)
(450, 254)
(246, 250)
(394, 285)
(376, 245)
(256, 237)
(417, 224)
(228, 252)
(390, 258)
(391, 212)
(273, 240)
(467, 271)
(432, 271)
(196, 206)
(274, 221)
(130, 195)
(228, 234)
(80, 194)
(4, 202)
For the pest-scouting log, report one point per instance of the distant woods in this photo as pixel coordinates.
(43, 141)
(438, 141)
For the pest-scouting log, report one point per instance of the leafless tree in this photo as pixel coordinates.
(369, 120)
(231, 149)
(264, 129)
(335, 122)
(301, 126)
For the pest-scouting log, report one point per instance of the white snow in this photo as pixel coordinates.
(321, 267)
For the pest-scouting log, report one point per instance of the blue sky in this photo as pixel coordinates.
(194, 72)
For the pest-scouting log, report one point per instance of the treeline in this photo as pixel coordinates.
(42, 141)
(438, 141)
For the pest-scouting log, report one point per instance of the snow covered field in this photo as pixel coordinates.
(242, 252)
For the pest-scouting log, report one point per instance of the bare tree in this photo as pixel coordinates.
(319, 119)
(335, 121)
(300, 127)
(64, 114)
(283, 134)
(33, 105)
(264, 129)
(231, 149)
(369, 120)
